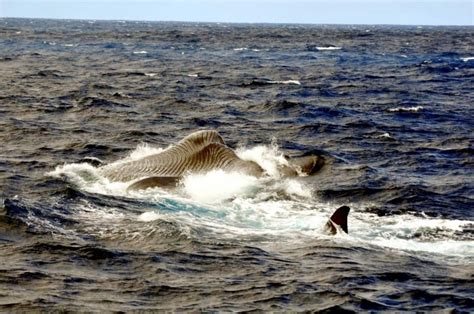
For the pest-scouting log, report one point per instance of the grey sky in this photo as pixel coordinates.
(414, 12)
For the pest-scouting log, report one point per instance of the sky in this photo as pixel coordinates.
(401, 12)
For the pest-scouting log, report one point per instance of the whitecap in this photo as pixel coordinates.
(240, 49)
(466, 59)
(141, 52)
(406, 109)
(385, 135)
(328, 48)
(287, 82)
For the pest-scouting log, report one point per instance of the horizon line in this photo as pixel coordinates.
(235, 23)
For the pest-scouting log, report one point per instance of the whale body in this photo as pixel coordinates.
(199, 152)
(204, 151)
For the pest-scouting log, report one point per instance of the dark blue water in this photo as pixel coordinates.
(391, 108)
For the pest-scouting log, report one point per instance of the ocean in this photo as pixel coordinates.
(390, 107)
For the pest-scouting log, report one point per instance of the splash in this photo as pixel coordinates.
(268, 157)
(226, 205)
(217, 186)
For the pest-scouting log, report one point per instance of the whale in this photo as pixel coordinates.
(203, 151)
(199, 152)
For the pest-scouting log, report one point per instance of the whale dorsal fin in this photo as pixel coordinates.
(338, 220)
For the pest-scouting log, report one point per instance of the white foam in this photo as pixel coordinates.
(406, 109)
(81, 173)
(245, 217)
(328, 48)
(141, 52)
(240, 49)
(91, 213)
(466, 59)
(408, 232)
(149, 216)
(192, 75)
(151, 74)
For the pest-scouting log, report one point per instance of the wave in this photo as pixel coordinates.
(46, 74)
(263, 82)
(97, 102)
(125, 73)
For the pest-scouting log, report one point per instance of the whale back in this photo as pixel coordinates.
(201, 151)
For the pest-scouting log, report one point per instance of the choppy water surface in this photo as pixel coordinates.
(391, 107)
